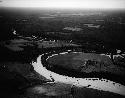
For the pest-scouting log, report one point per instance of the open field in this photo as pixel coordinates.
(86, 62)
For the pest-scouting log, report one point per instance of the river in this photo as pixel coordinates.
(95, 83)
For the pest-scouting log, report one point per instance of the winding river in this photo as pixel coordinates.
(95, 83)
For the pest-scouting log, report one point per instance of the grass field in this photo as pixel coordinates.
(86, 62)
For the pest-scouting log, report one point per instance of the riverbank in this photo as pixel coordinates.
(100, 84)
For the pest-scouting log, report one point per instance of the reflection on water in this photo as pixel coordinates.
(95, 83)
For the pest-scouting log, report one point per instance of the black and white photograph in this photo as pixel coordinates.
(62, 48)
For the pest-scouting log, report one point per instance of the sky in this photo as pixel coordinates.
(106, 4)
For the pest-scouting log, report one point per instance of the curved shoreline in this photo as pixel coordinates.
(95, 83)
(100, 73)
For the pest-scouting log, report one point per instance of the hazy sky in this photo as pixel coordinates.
(64, 3)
